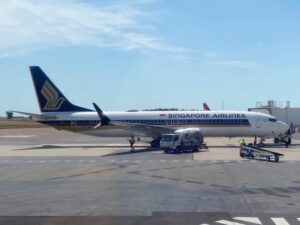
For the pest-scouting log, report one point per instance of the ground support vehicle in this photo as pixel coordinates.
(259, 153)
(187, 140)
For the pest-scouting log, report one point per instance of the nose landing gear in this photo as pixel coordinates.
(286, 140)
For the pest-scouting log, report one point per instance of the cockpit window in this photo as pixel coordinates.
(272, 119)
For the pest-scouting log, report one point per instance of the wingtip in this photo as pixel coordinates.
(95, 106)
(98, 110)
(33, 67)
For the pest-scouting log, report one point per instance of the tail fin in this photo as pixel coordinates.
(49, 96)
(205, 107)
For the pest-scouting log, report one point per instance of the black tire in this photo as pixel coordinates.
(276, 158)
(195, 149)
(268, 159)
(290, 141)
(178, 150)
(166, 151)
(242, 155)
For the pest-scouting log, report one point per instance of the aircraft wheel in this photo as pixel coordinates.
(276, 158)
(268, 158)
(177, 150)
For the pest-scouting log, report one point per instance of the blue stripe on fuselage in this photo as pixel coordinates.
(199, 122)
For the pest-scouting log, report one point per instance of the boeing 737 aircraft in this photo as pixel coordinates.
(57, 111)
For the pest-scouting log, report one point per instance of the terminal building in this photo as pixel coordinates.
(290, 116)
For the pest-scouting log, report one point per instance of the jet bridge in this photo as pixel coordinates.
(287, 114)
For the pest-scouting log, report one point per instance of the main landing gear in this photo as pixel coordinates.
(260, 143)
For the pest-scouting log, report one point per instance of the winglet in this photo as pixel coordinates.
(99, 111)
(104, 120)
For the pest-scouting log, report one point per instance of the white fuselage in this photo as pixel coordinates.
(211, 123)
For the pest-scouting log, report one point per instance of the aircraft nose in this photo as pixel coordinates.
(284, 128)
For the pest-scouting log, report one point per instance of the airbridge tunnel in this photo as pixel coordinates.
(287, 114)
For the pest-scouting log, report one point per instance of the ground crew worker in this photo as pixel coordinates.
(131, 142)
(242, 142)
(286, 141)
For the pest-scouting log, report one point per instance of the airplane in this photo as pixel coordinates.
(206, 107)
(58, 112)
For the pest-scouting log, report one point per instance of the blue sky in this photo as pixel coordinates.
(151, 53)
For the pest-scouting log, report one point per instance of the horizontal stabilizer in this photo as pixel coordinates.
(35, 116)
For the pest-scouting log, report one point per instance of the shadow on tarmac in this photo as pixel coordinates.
(74, 146)
(134, 152)
(143, 150)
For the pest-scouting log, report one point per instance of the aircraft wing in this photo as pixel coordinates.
(149, 130)
(35, 116)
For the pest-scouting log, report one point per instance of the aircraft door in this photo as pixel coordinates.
(258, 122)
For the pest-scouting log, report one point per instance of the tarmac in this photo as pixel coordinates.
(57, 177)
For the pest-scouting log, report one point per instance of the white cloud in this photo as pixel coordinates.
(236, 63)
(31, 25)
(239, 63)
(211, 54)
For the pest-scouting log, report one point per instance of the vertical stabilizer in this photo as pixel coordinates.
(50, 98)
